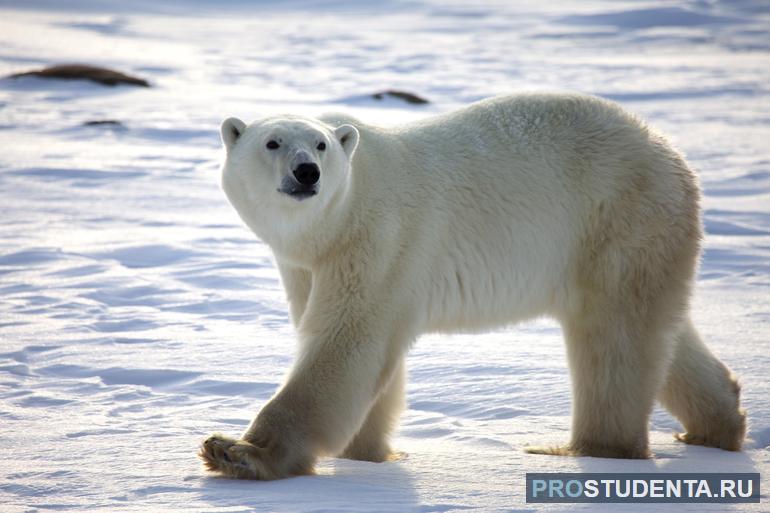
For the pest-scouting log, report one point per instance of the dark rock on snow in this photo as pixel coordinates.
(84, 72)
(401, 95)
(101, 122)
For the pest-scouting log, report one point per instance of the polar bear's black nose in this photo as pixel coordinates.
(307, 173)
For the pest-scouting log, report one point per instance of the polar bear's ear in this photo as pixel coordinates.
(347, 135)
(231, 130)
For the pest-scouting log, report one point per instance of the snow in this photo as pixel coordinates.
(138, 315)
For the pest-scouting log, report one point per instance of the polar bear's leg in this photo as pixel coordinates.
(702, 393)
(348, 352)
(616, 361)
(371, 442)
(618, 346)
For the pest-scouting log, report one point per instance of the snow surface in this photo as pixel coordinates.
(138, 315)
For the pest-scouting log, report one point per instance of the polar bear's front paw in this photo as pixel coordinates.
(237, 459)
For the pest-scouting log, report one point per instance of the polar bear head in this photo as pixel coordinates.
(282, 171)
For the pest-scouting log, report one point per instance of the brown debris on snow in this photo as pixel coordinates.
(401, 95)
(103, 76)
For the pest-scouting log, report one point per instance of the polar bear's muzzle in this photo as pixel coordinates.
(302, 182)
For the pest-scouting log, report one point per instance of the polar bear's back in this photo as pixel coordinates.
(569, 149)
(509, 142)
(568, 129)
(497, 201)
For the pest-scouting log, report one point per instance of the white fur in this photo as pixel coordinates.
(514, 207)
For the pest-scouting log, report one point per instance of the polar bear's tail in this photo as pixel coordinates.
(703, 394)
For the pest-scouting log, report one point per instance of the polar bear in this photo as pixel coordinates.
(514, 207)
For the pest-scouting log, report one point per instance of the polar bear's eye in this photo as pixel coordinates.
(321, 146)
(273, 145)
